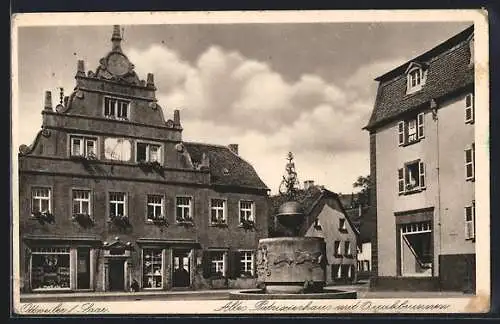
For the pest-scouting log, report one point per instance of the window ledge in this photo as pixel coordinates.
(412, 191)
(471, 122)
(471, 179)
(412, 142)
(222, 225)
(472, 239)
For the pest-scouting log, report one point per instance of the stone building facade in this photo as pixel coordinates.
(422, 166)
(112, 199)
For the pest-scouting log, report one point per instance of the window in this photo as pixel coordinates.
(338, 249)
(416, 249)
(342, 224)
(83, 146)
(347, 249)
(470, 163)
(470, 221)
(155, 207)
(218, 211)
(415, 79)
(50, 268)
(411, 178)
(469, 108)
(183, 209)
(152, 268)
(117, 204)
(116, 108)
(218, 263)
(246, 263)
(40, 200)
(81, 202)
(246, 211)
(148, 152)
(411, 130)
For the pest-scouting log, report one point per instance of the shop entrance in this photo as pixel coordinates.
(181, 276)
(116, 275)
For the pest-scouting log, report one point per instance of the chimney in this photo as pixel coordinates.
(48, 101)
(150, 80)
(233, 148)
(80, 68)
(177, 117)
(308, 184)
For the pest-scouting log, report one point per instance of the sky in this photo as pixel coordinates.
(307, 88)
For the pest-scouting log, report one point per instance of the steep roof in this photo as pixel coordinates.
(226, 168)
(309, 199)
(448, 71)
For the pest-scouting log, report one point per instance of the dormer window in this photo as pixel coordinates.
(416, 76)
(116, 108)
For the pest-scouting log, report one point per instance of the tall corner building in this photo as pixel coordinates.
(422, 166)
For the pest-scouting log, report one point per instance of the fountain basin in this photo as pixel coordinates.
(291, 265)
(327, 293)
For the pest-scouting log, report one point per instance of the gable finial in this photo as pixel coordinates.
(116, 38)
(289, 184)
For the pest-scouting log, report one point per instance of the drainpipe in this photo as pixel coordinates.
(437, 250)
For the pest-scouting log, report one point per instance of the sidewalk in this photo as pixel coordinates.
(362, 290)
(117, 296)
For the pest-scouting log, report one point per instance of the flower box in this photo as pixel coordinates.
(247, 224)
(44, 217)
(83, 219)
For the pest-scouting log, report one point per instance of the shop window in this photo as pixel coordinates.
(416, 249)
(152, 267)
(50, 268)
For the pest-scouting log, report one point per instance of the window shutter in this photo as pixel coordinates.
(469, 108)
(421, 171)
(401, 133)
(420, 125)
(473, 219)
(206, 263)
(234, 264)
(401, 181)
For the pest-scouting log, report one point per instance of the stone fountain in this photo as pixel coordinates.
(291, 266)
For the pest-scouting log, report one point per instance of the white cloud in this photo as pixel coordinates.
(226, 98)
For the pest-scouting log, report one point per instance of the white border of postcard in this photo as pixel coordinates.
(478, 303)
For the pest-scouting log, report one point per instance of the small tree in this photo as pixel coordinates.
(365, 184)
